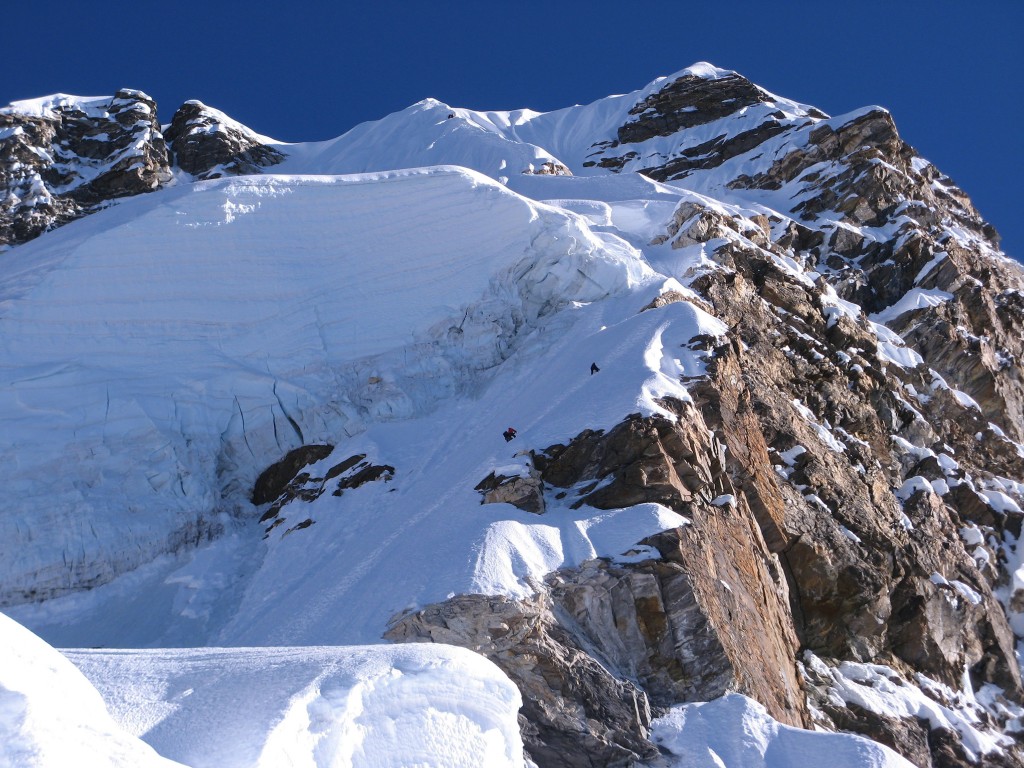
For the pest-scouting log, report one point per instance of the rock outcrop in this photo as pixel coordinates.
(208, 144)
(842, 500)
(907, 244)
(65, 157)
(678, 624)
(288, 480)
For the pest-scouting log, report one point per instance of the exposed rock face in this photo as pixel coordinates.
(208, 144)
(821, 428)
(65, 158)
(284, 482)
(836, 519)
(689, 102)
(274, 479)
(970, 335)
(678, 624)
(575, 712)
(526, 493)
(969, 331)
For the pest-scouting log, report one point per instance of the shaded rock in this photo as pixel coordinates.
(576, 712)
(208, 144)
(74, 155)
(687, 102)
(640, 460)
(366, 474)
(526, 493)
(275, 478)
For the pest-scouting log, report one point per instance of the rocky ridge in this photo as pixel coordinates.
(873, 541)
(208, 144)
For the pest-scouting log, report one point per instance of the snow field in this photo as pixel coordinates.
(51, 716)
(354, 707)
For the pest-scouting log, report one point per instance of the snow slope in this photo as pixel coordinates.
(358, 707)
(507, 144)
(170, 347)
(361, 707)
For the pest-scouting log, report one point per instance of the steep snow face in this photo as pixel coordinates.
(169, 348)
(51, 716)
(315, 707)
(424, 399)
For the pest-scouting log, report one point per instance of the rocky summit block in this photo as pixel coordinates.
(65, 157)
(208, 144)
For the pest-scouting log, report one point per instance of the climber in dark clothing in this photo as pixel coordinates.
(508, 434)
(594, 369)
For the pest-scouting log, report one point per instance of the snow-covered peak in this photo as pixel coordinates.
(704, 69)
(426, 133)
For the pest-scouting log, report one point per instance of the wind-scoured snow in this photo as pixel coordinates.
(361, 707)
(51, 716)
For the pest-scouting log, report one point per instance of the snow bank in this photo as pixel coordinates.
(914, 299)
(515, 555)
(52, 717)
(356, 707)
(737, 732)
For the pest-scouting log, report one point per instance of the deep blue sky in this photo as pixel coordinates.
(950, 71)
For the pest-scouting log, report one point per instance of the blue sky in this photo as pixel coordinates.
(950, 72)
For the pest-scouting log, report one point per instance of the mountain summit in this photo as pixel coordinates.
(761, 499)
